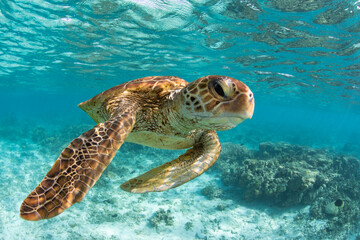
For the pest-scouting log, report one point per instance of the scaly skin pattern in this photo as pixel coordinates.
(187, 166)
(77, 169)
(162, 112)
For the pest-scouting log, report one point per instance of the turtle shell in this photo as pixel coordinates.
(149, 87)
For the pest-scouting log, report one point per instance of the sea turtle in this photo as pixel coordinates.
(162, 112)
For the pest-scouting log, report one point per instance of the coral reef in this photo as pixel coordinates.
(287, 175)
(189, 226)
(161, 217)
(231, 157)
(285, 184)
(211, 191)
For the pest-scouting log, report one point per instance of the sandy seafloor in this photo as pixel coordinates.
(107, 212)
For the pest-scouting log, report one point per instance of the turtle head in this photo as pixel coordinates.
(216, 102)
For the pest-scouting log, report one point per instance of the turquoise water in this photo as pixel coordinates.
(300, 58)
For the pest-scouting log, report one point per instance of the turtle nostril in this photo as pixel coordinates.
(251, 96)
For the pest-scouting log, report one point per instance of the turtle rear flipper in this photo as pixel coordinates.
(77, 169)
(187, 166)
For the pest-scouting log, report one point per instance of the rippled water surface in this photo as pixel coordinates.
(301, 58)
(279, 47)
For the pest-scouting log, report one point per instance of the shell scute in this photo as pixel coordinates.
(153, 87)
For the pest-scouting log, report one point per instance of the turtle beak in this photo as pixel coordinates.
(241, 107)
(246, 105)
(250, 110)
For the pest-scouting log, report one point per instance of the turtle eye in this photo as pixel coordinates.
(222, 88)
(219, 90)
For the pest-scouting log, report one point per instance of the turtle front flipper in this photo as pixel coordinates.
(77, 169)
(187, 166)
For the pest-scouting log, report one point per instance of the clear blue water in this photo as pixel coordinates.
(300, 58)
